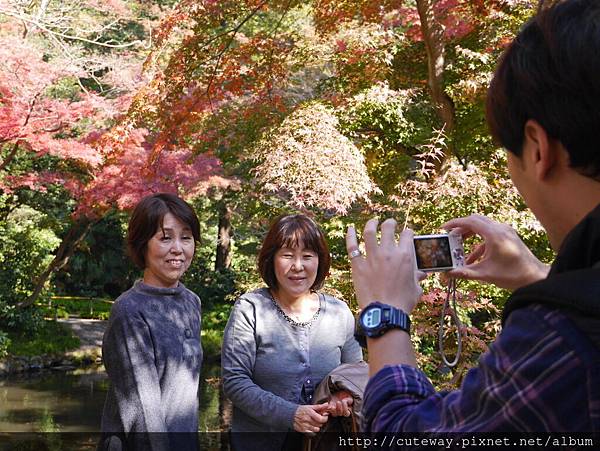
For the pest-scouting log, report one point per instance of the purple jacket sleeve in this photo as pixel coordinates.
(519, 385)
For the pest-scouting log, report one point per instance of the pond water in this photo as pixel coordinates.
(72, 402)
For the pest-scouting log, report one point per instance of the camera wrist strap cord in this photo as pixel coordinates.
(450, 292)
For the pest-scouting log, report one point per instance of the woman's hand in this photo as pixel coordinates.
(388, 273)
(339, 404)
(502, 258)
(310, 418)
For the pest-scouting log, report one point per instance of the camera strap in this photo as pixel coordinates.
(450, 294)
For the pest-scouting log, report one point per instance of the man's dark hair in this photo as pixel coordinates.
(551, 73)
(293, 231)
(147, 218)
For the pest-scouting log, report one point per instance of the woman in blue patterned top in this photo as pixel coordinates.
(151, 348)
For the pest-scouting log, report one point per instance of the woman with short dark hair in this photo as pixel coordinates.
(282, 340)
(151, 347)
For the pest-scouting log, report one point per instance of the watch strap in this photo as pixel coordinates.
(398, 320)
(391, 318)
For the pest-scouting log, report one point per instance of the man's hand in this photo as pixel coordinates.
(388, 273)
(339, 404)
(502, 259)
(309, 419)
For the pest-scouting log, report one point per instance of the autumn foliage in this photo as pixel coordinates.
(342, 108)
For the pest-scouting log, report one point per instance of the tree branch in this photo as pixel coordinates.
(433, 36)
(234, 32)
(42, 27)
(10, 156)
(13, 151)
(273, 32)
(69, 244)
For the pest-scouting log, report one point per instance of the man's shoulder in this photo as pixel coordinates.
(546, 332)
(573, 290)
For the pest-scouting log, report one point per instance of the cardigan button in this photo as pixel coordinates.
(188, 333)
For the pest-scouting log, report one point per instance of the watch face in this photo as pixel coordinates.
(372, 318)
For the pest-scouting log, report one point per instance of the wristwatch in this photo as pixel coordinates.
(376, 319)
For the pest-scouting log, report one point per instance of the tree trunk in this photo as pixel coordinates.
(68, 245)
(10, 157)
(433, 36)
(223, 259)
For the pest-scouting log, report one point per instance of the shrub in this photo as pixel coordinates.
(4, 344)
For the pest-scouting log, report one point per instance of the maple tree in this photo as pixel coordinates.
(343, 108)
(238, 60)
(51, 134)
(321, 166)
(405, 80)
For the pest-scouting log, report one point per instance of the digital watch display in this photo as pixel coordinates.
(378, 318)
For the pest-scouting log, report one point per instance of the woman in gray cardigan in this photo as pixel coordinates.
(282, 340)
(151, 347)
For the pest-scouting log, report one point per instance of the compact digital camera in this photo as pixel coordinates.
(441, 252)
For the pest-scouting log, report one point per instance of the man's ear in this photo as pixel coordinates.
(541, 150)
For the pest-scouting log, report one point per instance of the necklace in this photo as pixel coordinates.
(291, 320)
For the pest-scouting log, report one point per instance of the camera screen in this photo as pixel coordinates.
(433, 253)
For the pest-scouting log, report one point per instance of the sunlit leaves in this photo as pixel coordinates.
(128, 177)
(310, 162)
(35, 118)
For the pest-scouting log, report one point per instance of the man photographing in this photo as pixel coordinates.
(542, 373)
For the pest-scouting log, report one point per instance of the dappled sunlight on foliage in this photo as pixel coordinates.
(309, 160)
(339, 108)
(123, 181)
(480, 319)
(388, 126)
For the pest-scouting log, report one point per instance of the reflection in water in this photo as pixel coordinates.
(57, 401)
(53, 401)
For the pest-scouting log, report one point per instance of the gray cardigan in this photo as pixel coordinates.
(152, 354)
(270, 366)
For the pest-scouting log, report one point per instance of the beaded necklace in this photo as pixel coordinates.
(292, 321)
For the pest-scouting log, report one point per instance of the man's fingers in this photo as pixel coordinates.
(476, 254)
(351, 240)
(370, 236)
(457, 230)
(388, 232)
(464, 272)
(478, 224)
(321, 419)
(318, 413)
(320, 407)
(463, 231)
(407, 245)
(406, 240)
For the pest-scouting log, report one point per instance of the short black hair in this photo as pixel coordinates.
(293, 231)
(147, 218)
(551, 73)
